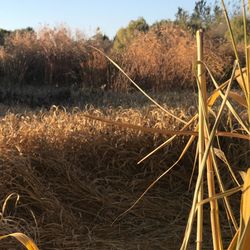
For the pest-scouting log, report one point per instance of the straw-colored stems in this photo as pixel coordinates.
(203, 164)
(247, 51)
(222, 188)
(248, 84)
(229, 105)
(201, 138)
(203, 141)
(212, 163)
(242, 237)
(214, 212)
(234, 45)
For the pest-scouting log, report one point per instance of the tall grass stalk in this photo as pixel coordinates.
(202, 142)
(247, 54)
(201, 139)
(244, 81)
(234, 46)
(203, 165)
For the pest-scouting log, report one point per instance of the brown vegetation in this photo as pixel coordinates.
(75, 176)
(160, 59)
(50, 57)
(164, 58)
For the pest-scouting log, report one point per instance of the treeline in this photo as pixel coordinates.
(158, 56)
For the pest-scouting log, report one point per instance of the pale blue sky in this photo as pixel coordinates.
(86, 15)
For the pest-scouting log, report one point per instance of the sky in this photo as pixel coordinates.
(86, 15)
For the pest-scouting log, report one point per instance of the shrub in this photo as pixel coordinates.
(18, 55)
(163, 58)
(52, 57)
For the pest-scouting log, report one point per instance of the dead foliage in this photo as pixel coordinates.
(75, 175)
(164, 58)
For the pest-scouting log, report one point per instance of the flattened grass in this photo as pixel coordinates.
(75, 175)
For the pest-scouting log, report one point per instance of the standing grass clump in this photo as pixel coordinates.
(162, 58)
(208, 145)
(207, 155)
(53, 57)
(60, 58)
(18, 57)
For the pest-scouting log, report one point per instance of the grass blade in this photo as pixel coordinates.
(229, 105)
(221, 195)
(170, 139)
(138, 87)
(234, 46)
(155, 181)
(23, 239)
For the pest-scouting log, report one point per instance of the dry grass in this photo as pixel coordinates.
(75, 176)
(51, 56)
(159, 59)
(164, 58)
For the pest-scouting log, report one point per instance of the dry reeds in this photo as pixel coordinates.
(58, 57)
(207, 155)
(51, 57)
(163, 58)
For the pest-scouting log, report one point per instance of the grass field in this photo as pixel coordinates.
(75, 176)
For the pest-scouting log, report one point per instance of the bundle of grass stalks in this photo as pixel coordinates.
(209, 148)
(208, 153)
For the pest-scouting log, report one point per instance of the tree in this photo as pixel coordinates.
(125, 35)
(218, 16)
(204, 16)
(182, 18)
(238, 28)
(3, 34)
(218, 26)
(211, 19)
(201, 17)
(100, 40)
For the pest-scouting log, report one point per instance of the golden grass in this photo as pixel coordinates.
(58, 57)
(163, 57)
(75, 175)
